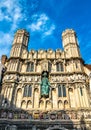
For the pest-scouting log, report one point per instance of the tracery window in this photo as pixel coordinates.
(27, 91)
(30, 67)
(61, 91)
(59, 66)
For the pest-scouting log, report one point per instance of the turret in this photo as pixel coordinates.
(20, 43)
(70, 43)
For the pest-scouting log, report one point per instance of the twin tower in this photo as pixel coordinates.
(69, 38)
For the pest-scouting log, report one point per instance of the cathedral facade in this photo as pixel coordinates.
(45, 89)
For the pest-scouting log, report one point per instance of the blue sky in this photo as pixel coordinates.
(45, 20)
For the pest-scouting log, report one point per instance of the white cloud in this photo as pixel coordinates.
(41, 23)
(10, 10)
(50, 31)
(5, 43)
(4, 51)
(5, 39)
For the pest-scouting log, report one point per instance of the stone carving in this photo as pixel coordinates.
(45, 85)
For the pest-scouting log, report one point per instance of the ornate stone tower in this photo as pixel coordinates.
(20, 43)
(19, 47)
(71, 51)
(70, 43)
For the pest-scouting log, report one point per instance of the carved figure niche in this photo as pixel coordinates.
(23, 105)
(36, 97)
(60, 104)
(54, 97)
(18, 98)
(29, 104)
(71, 97)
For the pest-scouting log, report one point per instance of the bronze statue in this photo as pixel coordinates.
(45, 85)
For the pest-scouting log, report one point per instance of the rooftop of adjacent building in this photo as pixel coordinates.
(88, 66)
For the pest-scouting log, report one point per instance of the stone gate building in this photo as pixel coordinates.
(67, 104)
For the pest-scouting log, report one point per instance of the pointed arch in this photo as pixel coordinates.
(18, 98)
(60, 104)
(71, 97)
(29, 104)
(36, 97)
(41, 104)
(66, 105)
(23, 104)
(48, 104)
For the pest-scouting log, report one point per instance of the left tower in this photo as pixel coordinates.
(14, 63)
(20, 44)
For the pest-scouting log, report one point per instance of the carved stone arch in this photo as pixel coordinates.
(70, 89)
(30, 61)
(36, 97)
(23, 104)
(41, 104)
(29, 104)
(71, 97)
(59, 60)
(36, 89)
(18, 97)
(60, 104)
(54, 97)
(66, 104)
(53, 89)
(48, 104)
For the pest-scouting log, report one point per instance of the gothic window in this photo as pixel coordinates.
(59, 66)
(27, 91)
(61, 91)
(81, 92)
(30, 67)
